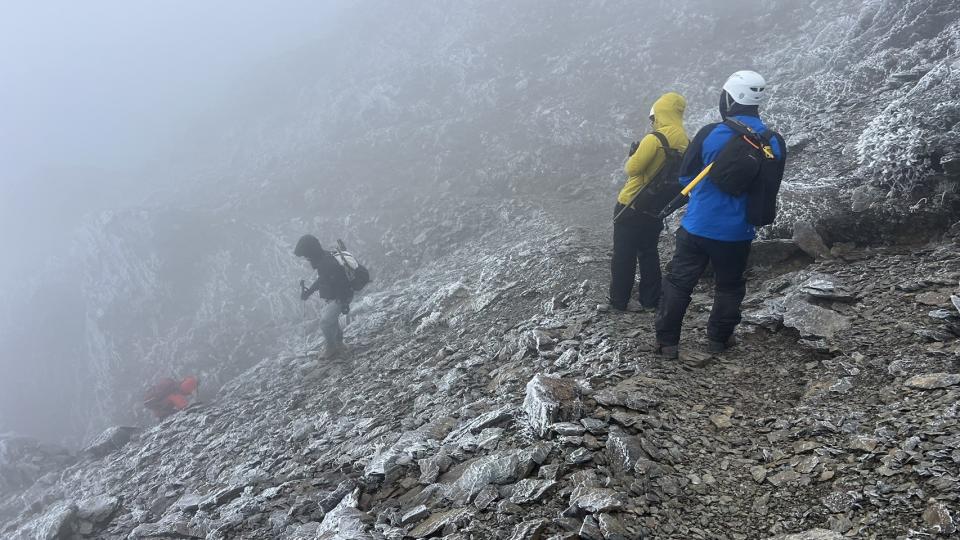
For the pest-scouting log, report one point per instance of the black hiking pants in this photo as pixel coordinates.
(693, 252)
(635, 238)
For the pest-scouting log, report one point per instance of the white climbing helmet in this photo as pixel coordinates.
(746, 87)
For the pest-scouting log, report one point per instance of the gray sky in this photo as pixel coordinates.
(94, 91)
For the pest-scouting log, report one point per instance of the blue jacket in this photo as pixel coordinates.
(712, 213)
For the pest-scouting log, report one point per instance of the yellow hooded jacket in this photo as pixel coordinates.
(646, 162)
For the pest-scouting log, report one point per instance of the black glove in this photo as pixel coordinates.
(305, 291)
(345, 309)
(633, 148)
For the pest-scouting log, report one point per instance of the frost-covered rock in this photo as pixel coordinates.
(346, 522)
(794, 309)
(57, 522)
(812, 534)
(596, 500)
(623, 451)
(500, 468)
(98, 508)
(548, 400)
(933, 381)
(410, 444)
(110, 440)
(813, 320)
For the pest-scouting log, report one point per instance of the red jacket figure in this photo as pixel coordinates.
(168, 396)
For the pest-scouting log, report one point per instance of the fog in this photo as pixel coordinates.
(96, 96)
(98, 99)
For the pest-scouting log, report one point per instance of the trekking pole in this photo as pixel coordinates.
(303, 316)
(624, 209)
(681, 198)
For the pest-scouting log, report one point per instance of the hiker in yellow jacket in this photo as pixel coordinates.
(635, 232)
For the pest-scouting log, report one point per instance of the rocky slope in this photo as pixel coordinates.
(432, 120)
(486, 397)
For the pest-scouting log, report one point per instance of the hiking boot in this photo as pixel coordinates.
(670, 352)
(630, 307)
(717, 347)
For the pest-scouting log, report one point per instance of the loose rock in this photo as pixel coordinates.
(548, 399)
(933, 381)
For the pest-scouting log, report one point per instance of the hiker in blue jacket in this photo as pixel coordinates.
(715, 227)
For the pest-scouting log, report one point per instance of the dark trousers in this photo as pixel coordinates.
(693, 252)
(635, 238)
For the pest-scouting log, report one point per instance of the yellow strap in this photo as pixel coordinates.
(693, 183)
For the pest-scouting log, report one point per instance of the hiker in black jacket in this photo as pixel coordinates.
(331, 284)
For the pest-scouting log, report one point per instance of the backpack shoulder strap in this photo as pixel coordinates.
(759, 141)
(769, 136)
(341, 257)
(740, 127)
(663, 139)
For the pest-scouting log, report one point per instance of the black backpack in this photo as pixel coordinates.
(747, 164)
(662, 188)
(357, 274)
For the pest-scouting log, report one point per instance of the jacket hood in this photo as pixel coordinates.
(308, 246)
(668, 110)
